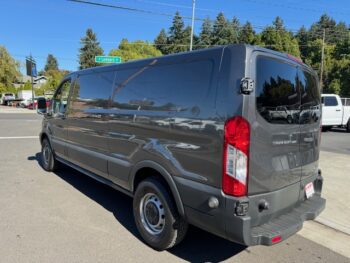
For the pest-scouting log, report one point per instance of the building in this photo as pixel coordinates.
(38, 81)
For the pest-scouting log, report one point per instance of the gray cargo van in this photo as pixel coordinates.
(226, 139)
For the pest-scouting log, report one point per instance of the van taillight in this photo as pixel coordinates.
(236, 156)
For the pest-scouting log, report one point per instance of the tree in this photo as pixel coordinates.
(90, 48)
(276, 37)
(135, 50)
(54, 79)
(206, 34)
(51, 63)
(161, 42)
(327, 23)
(8, 70)
(235, 24)
(302, 38)
(223, 33)
(176, 37)
(247, 34)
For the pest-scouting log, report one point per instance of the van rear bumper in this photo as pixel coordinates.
(224, 221)
(287, 224)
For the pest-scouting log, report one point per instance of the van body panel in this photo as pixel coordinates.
(152, 117)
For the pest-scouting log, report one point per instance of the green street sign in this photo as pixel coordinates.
(108, 59)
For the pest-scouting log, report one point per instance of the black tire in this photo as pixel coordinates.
(348, 126)
(175, 227)
(48, 160)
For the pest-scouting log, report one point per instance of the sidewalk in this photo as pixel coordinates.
(7, 109)
(336, 189)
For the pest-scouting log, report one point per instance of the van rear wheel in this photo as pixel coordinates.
(156, 217)
(348, 126)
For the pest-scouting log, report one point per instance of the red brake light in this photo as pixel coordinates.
(276, 239)
(236, 156)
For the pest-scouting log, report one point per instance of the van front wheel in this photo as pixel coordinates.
(156, 216)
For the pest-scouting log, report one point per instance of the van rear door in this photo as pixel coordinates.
(274, 113)
(310, 122)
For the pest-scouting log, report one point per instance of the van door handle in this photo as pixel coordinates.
(337, 110)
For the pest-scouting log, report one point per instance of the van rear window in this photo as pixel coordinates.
(277, 95)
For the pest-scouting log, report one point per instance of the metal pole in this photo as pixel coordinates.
(192, 28)
(31, 76)
(322, 57)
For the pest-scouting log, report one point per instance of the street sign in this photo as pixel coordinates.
(108, 59)
(31, 67)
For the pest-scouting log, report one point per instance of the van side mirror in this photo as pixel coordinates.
(41, 109)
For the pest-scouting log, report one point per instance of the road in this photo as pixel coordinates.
(336, 140)
(68, 217)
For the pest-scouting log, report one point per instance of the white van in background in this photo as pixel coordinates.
(26, 96)
(335, 112)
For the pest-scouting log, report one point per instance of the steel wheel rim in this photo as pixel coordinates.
(46, 154)
(152, 214)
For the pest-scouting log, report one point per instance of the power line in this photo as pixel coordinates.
(139, 10)
(296, 7)
(131, 9)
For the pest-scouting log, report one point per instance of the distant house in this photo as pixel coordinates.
(37, 81)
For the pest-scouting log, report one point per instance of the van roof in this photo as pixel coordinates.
(250, 48)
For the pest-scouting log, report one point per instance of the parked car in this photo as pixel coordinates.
(335, 112)
(248, 178)
(6, 97)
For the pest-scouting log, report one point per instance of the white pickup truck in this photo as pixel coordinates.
(335, 111)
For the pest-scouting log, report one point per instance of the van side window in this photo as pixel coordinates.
(159, 88)
(92, 91)
(330, 101)
(59, 101)
(277, 92)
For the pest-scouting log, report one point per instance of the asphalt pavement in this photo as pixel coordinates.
(337, 140)
(68, 217)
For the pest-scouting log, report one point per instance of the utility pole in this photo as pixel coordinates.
(192, 28)
(322, 57)
(31, 77)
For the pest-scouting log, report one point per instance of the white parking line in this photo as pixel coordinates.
(19, 137)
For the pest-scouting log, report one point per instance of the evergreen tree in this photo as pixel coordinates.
(176, 37)
(235, 30)
(90, 48)
(276, 37)
(325, 23)
(51, 63)
(206, 34)
(247, 34)
(161, 42)
(302, 38)
(223, 33)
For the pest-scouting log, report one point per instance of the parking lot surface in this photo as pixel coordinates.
(68, 217)
(336, 140)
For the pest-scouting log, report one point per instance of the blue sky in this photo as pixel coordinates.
(56, 26)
